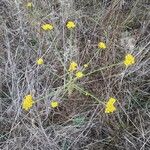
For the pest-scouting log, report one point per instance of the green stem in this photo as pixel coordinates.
(103, 68)
(87, 93)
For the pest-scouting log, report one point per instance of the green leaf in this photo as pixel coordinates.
(79, 120)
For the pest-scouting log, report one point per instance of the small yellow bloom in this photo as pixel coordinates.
(40, 61)
(27, 102)
(47, 27)
(73, 66)
(102, 45)
(129, 60)
(110, 105)
(87, 94)
(85, 65)
(29, 5)
(70, 25)
(54, 104)
(79, 74)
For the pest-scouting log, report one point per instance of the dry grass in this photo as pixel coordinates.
(79, 123)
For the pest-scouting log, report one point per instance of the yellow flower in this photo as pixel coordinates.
(70, 25)
(47, 27)
(40, 61)
(54, 104)
(102, 45)
(73, 66)
(29, 4)
(87, 94)
(27, 102)
(129, 60)
(110, 105)
(85, 65)
(79, 74)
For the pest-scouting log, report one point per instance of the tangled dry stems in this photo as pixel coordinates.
(79, 123)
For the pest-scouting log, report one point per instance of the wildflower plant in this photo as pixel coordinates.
(66, 44)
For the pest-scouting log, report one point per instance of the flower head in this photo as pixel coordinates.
(47, 27)
(54, 104)
(110, 105)
(29, 5)
(40, 61)
(27, 102)
(79, 74)
(87, 94)
(129, 60)
(85, 65)
(102, 45)
(73, 66)
(70, 25)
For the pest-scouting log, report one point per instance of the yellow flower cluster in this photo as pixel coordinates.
(29, 5)
(47, 27)
(129, 60)
(73, 67)
(40, 61)
(27, 102)
(79, 74)
(70, 25)
(54, 104)
(110, 105)
(85, 65)
(102, 45)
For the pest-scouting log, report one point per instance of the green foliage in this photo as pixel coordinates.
(78, 121)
